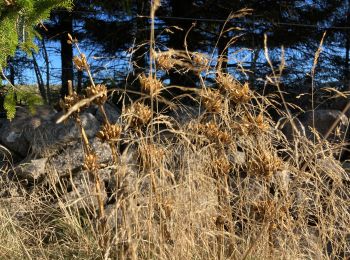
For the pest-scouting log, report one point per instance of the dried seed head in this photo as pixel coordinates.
(90, 162)
(109, 132)
(182, 61)
(233, 89)
(68, 101)
(213, 133)
(264, 163)
(80, 62)
(200, 61)
(165, 61)
(251, 125)
(151, 85)
(151, 154)
(222, 166)
(211, 99)
(139, 115)
(260, 123)
(94, 90)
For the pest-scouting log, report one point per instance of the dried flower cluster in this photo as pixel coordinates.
(90, 162)
(213, 132)
(68, 101)
(264, 163)
(251, 125)
(138, 115)
(222, 166)
(211, 99)
(233, 89)
(150, 85)
(109, 132)
(80, 62)
(95, 90)
(165, 61)
(182, 61)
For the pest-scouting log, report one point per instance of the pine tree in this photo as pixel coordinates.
(18, 19)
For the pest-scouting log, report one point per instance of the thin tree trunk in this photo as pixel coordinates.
(139, 57)
(39, 79)
(181, 8)
(347, 51)
(46, 58)
(252, 74)
(66, 21)
(80, 82)
(223, 50)
(12, 70)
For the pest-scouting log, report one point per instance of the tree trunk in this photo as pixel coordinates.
(11, 67)
(39, 79)
(80, 82)
(139, 57)
(47, 63)
(347, 51)
(181, 8)
(66, 21)
(223, 50)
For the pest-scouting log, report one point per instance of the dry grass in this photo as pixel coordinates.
(225, 185)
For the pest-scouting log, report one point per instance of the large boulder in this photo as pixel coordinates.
(31, 171)
(71, 158)
(112, 112)
(12, 138)
(184, 114)
(49, 137)
(40, 132)
(13, 133)
(320, 120)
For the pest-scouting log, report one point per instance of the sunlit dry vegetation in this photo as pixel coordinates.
(216, 180)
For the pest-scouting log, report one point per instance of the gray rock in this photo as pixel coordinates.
(184, 114)
(50, 137)
(323, 120)
(71, 158)
(31, 171)
(14, 134)
(112, 113)
(83, 194)
(12, 138)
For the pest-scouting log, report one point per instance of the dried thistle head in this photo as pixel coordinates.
(80, 62)
(165, 61)
(251, 125)
(264, 163)
(234, 90)
(109, 132)
(68, 101)
(90, 162)
(256, 124)
(213, 133)
(222, 166)
(200, 61)
(138, 115)
(150, 84)
(261, 123)
(211, 99)
(151, 154)
(97, 89)
(240, 128)
(182, 61)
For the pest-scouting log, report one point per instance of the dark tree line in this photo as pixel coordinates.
(114, 26)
